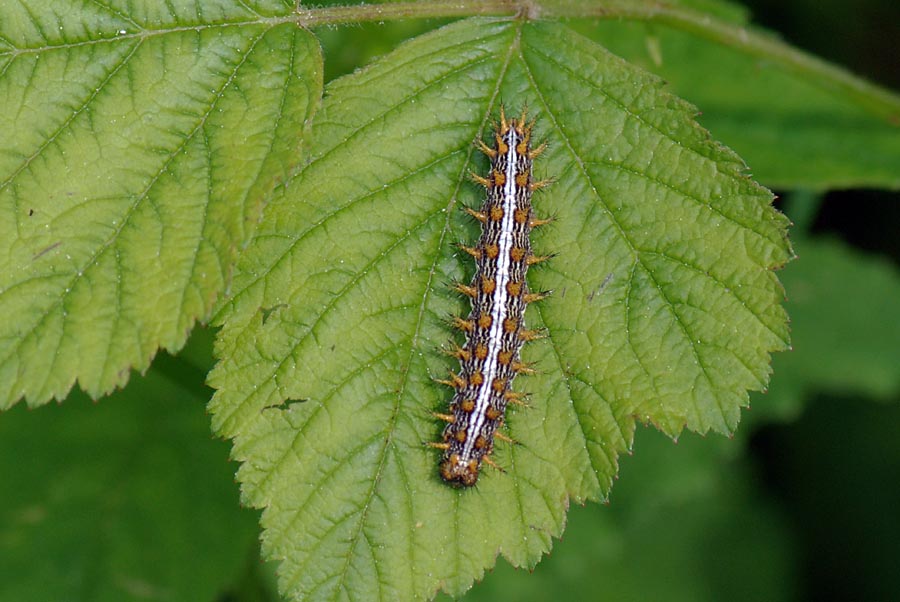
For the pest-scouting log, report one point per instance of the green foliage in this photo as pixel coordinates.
(126, 500)
(855, 295)
(131, 170)
(792, 132)
(689, 513)
(163, 163)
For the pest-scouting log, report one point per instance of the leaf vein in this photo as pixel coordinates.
(331, 304)
(683, 193)
(96, 90)
(313, 227)
(625, 238)
(138, 199)
(729, 289)
(351, 134)
(323, 537)
(113, 11)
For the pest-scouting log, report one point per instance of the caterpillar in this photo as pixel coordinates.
(495, 329)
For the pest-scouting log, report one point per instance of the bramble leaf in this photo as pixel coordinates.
(138, 145)
(665, 308)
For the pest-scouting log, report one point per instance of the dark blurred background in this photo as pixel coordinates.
(835, 471)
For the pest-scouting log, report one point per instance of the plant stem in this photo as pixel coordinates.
(875, 99)
(429, 9)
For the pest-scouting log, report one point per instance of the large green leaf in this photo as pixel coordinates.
(665, 308)
(138, 144)
(129, 499)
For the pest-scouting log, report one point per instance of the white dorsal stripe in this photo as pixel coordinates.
(500, 296)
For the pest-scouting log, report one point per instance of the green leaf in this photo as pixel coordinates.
(793, 133)
(845, 324)
(665, 308)
(129, 499)
(137, 149)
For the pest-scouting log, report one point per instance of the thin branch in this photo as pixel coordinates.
(337, 15)
(754, 42)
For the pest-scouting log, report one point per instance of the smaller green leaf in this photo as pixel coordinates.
(138, 148)
(791, 132)
(128, 499)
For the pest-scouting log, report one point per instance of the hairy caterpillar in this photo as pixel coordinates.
(495, 328)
